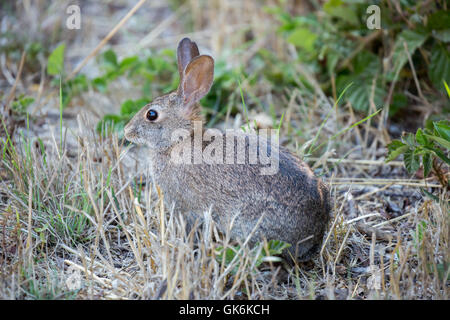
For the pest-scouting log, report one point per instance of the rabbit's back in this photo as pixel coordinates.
(290, 205)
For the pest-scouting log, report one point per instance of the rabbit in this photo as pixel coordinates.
(291, 205)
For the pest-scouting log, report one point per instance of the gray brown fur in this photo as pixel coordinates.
(293, 202)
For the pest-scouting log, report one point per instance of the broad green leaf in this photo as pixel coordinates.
(114, 121)
(439, 154)
(395, 149)
(366, 67)
(339, 9)
(229, 252)
(399, 101)
(443, 142)
(439, 20)
(110, 59)
(442, 35)
(332, 60)
(100, 84)
(421, 138)
(430, 195)
(129, 63)
(367, 64)
(303, 38)
(427, 161)
(443, 129)
(412, 161)
(276, 247)
(413, 41)
(439, 67)
(22, 103)
(55, 63)
(394, 145)
(408, 138)
(359, 96)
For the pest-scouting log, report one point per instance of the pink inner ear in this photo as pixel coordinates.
(198, 78)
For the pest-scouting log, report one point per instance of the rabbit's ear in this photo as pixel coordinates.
(186, 51)
(197, 80)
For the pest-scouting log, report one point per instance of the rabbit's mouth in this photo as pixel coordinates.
(135, 140)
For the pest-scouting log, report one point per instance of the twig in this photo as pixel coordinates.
(19, 73)
(362, 217)
(365, 195)
(419, 90)
(102, 281)
(368, 231)
(391, 220)
(362, 162)
(106, 39)
(400, 183)
(152, 35)
(364, 41)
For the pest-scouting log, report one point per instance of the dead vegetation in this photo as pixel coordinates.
(79, 219)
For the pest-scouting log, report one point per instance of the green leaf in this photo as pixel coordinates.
(430, 195)
(399, 101)
(395, 149)
(366, 67)
(443, 142)
(439, 20)
(408, 138)
(339, 9)
(229, 252)
(100, 84)
(413, 41)
(22, 103)
(394, 145)
(110, 59)
(303, 38)
(129, 63)
(427, 161)
(421, 138)
(442, 35)
(443, 129)
(412, 161)
(332, 60)
(447, 88)
(439, 67)
(56, 60)
(114, 121)
(439, 154)
(276, 247)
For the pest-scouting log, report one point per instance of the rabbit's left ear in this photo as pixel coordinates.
(186, 51)
(197, 80)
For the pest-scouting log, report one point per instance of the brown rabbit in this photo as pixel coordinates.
(290, 204)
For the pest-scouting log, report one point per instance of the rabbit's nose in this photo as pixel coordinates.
(126, 131)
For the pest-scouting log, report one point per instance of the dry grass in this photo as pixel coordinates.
(84, 221)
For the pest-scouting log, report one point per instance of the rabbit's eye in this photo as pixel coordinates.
(152, 115)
